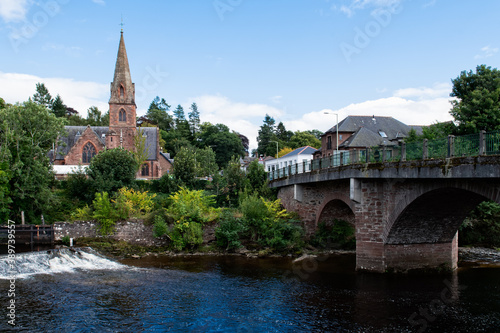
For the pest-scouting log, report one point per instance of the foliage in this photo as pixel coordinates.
(302, 139)
(339, 234)
(266, 135)
(135, 203)
(42, 96)
(157, 114)
(104, 213)
(482, 226)
(160, 228)
(478, 100)
(192, 205)
(194, 119)
(230, 231)
(224, 143)
(140, 151)
(284, 151)
(205, 162)
(27, 133)
(79, 186)
(65, 240)
(257, 178)
(5, 199)
(58, 108)
(185, 166)
(186, 235)
(112, 169)
(82, 214)
(166, 184)
(233, 183)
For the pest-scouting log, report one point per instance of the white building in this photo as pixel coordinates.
(297, 156)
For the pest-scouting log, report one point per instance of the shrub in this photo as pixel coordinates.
(229, 232)
(82, 214)
(482, 226)
(135, 203)
(104, 213)
(186, 235)
(191, 205)
(65, 240)
(160, 227)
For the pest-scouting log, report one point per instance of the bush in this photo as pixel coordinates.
(82, 214)
(482, 226)
(191, 205)
(229, 232)
(186, 235)
(160, 227)
(104, 213)
(132, 202)
(340, 234)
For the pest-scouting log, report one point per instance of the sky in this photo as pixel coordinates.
(303, 62)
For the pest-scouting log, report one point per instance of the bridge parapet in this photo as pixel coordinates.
(441, 153)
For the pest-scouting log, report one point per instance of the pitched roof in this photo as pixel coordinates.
(382, 126)
(363, 137)
(74, 133)
(307, 150)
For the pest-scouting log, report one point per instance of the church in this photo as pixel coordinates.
(82, 143)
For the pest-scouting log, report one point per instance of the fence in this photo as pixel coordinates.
(483, 143)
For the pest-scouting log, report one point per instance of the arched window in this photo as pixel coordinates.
(122, 92)
(88, 152)
(145, 170)
(122, 116)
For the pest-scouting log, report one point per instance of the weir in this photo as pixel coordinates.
(29, 235)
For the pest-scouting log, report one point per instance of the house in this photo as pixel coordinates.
(82, 143)
(297, 156)
(360, 132)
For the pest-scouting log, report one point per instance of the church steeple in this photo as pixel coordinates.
(122, 88)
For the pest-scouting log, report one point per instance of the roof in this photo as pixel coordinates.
(383, 126)
(167, 157)
(363, 137)
(74, 133)
(307, 150)
(68, 169)
(122, 78)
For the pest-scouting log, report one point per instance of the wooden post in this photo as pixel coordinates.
(451, 145)
(482, 142)
(425, 150)
(403, 151)
(22, 217)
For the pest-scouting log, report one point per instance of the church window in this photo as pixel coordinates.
(88, 152)
(145, 170)
(122, 116)
(122, 92)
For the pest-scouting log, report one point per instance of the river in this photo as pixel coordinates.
(66, 291)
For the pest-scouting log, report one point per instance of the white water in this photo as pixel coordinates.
(54, 261)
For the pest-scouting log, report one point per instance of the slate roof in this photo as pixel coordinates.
(363, 137)
(302, 150)
(393, 128)
(74, 132)
(167, 157)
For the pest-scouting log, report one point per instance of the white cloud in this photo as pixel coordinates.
(486, 52)
(351, 6)
(412, 106)
(241, 117)
(80, 95)
(14, 10)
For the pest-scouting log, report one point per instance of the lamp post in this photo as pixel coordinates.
(276, 148)
(337, 141)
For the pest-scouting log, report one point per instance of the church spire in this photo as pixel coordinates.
(122, 88)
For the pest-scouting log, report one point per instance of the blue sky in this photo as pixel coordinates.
(241, 59)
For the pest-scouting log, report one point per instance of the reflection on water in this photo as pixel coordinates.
(237, 294)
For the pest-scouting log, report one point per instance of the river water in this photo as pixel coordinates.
(65, 291)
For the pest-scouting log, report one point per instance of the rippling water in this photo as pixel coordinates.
(236, 294)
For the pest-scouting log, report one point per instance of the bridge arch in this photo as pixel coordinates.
(336, 206)
(434, 213)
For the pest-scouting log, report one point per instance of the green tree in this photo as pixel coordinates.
(5, 200)
(439, 130)
(257, 178)
(301, 139)
(266, 134)
(185, 165)
(316, 133)
(42, 96)
(94, 116)
(194, 119)
(112, 169)
(235, 181)
(478, 100)
(27, 133)
(157, 114)
(225, 143)
(58, 108)
(3, 105)
(206, 164)
(140, 151)
(282, 134)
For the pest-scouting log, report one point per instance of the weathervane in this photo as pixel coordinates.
(122, 24)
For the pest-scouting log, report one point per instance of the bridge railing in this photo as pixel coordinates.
(483, 143)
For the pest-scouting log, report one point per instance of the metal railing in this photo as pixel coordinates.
(483, 143)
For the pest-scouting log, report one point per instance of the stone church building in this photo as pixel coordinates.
(82, 143)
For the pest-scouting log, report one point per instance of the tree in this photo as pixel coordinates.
(266, 134)
(27, 133)
(284, 151)
(478, 100)
(58, 108)
(206, 164)
(140, 151)
(235, 181)
(225, 143)
(112, 169)
(185, 165)
(316, 133)
(257, 178)
(94, 116)
(3, 105)
(157, 114)
(282, 134)
(301, 139)
(194, 119)
(42, 96)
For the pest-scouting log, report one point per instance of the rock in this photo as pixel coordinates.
(304, 257)
(135, 256)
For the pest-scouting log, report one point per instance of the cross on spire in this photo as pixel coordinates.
(122, 24)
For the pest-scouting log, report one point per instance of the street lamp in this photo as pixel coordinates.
(337, 115)
(276, 148)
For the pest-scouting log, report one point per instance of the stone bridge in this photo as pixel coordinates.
(406, 214)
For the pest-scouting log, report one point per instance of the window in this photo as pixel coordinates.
(88, 152)
(145, 170)
(329, 143)
(122, 116)
(122, 92)
(340, 137)
(382, 134)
